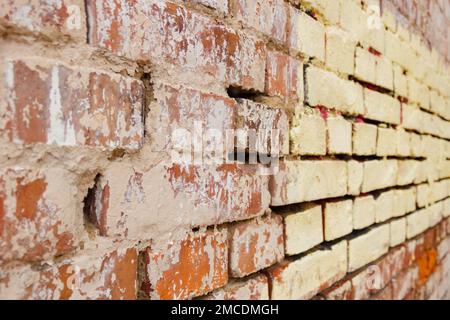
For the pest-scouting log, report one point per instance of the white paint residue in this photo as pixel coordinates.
(59, 133)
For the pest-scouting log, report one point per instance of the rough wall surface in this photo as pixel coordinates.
(128, 168)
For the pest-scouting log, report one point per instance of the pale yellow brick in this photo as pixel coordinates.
(417, 222)
(363, 212)
(379, 174)
(381, 107)
(327, 89)
(389, 20)
(329, 9)
(412, 117)
(368, 247)
(340, 51)
(384, 206)
(355, 171)
(400, 81)
(416, 145)
(339, 135)
(308, 133)
(435, 213)
(398, 231)
(423, 195)
(303, 228)
(337, 219)
(386, 142)
(403, 143)
(364, 139)
(399, 203)
(384, 73)
(446, 212)
(300, 181)
(437, 102)
(418, 93)
(407, 171)
(305, 277)
(307, 34)
(353, 18)
(365, 65)
(403, 33)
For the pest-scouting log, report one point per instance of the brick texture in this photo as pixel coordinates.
(225, 149)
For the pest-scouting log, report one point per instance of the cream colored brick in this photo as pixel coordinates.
(340, 51)
(381, 107)
(384, 206)
(307, 34)
(355, 171)
(303, 229)
(435, 213)
(379, 174)
(368, 247)
(417, 222)
(398, 231)
(446, 212)
(418, 93)
(403, 143)
(407, 171)
(405, 201)
(339, 135)
(412, 117)
(386, 142)
(365, 65)
(327, 89)
(329, 9)
(308, 134)
(384, 73)
(400, 81)
(305, 277)
(389, 20)
(416, 145)
(364, 139)
(337, 219)
(423, 195)
(301, 181)
(363, 212)
(353, 18)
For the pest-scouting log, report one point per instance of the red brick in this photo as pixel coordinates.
(185, 268)
(404, 283)
(269, 125)
(341, 291)
(38, 215)
(253, 288)
(164, 31)
(182, 115)
(385, 294)
(48, 102)
(88, 275)
(51, 18)
(255, 245)
(284, 76)
(179, 195)
(270, 17)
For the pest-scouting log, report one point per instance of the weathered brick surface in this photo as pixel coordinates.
(186, 268)
(255, 245)
(70, 106)
(224, 149)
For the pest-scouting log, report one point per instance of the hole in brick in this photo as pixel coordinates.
(239, 93)
(95, 206)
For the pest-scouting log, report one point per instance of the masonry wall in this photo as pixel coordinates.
(114, 185)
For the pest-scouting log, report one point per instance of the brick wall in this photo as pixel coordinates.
(224, 149)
